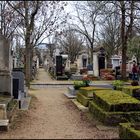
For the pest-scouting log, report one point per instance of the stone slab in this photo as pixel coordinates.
(70, 96)
(104, 128)
(80, 106)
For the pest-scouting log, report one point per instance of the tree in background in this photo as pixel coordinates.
(127, 13)
(134, 47)
(38, 18)
(9, 21)
(88, 15)
(71, 44)
(110, 32)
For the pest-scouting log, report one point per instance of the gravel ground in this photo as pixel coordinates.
(52, 116)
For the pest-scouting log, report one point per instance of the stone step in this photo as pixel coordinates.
(70, 96)
(4, 125)
(79, 105)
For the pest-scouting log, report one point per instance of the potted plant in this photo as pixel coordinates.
(117, 84)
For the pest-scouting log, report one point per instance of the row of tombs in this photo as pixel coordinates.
(114, 107)
(13, 92)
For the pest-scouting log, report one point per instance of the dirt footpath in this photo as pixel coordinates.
(53, 116)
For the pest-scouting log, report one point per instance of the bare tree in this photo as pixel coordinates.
(27, 10)
(71, 44)
(38, 18)
(9, 21)
(110, 34)
(87, 15)
(134, 47)
(126, 30)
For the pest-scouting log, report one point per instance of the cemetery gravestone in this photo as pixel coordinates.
(18, 83)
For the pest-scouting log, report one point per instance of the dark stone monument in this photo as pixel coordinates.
(59, 66)
(18, 83)
(19, 89)
(117, 73)
(101, 59)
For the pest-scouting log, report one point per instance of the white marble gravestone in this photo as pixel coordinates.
(5, 67)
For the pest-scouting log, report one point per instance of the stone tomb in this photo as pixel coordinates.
(5, 69)
(5, 82)
(99, 61)
(113, 107)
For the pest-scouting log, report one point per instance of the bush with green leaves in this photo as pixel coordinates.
(118, 83)
(78, 84)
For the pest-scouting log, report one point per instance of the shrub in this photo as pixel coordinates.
(78, 84)
(118, 84)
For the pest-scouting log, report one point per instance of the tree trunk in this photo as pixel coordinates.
(124, 59)
(27, 68)
(28, 59)
(31, 64)
(126, 34)
(91, 55)
(124, 43)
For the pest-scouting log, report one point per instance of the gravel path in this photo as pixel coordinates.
(53, 116)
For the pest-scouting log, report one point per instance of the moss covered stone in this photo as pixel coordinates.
(130, 89)
(83, 99)
(113, 100)
(127, 131)
(112, 118)
(88, 91)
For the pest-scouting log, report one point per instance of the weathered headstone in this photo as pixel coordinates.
(5, 70)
